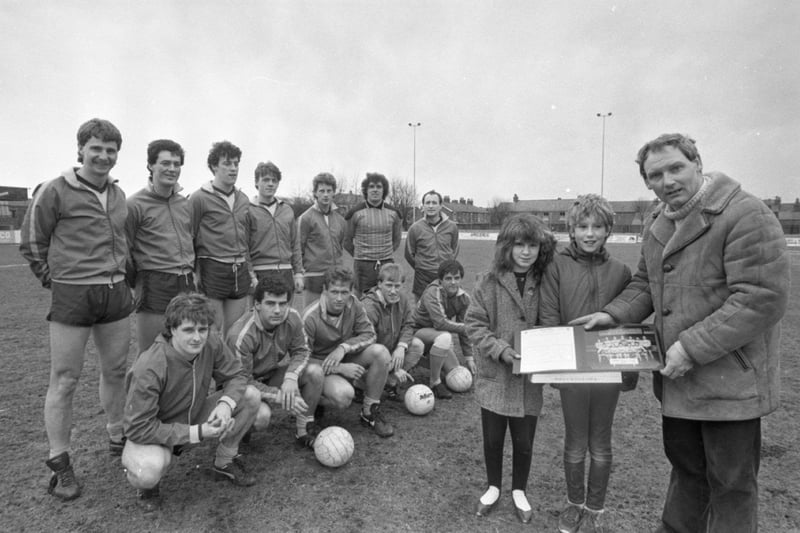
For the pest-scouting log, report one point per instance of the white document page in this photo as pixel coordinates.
(547, 350)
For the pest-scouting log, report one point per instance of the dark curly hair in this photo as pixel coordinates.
(374, 177)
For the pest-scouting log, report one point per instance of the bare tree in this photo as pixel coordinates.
(403, 197)
(498, 211)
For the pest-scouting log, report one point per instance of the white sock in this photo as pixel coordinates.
(490, 496)
(520, 501)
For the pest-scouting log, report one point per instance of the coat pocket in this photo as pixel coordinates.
(728, 378)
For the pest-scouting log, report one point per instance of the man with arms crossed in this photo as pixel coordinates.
(159, 232)
(322, 231)
(168, 406)
(342, 340)
(82, 210)
(714, 269)
(430, 241)
(271, 344)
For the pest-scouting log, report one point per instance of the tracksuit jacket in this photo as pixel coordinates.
(69, 237)
(220, 233)
(273, 240)
(321, 239)
(438, 311)
(393, 323)
(427, 246)
(166, 391)
(159, 233)
(373, 233)
(262, 351)
(351, 330)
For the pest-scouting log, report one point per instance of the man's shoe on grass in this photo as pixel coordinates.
(391, 393)
(235, 472)
(149, 500)
(307, 440)
(375, 420)
(441, 391)
(115, 447)
(63, 484)
(570, 518)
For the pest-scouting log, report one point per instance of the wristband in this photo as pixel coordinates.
(200, 432)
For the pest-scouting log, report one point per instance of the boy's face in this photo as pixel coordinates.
(324, 195)
(267, 187)
(336, 296)
(189, 338)
(590, 234)
(390, 289)
(226, 172)
(166, 170)
(272, 309)
(451, 283)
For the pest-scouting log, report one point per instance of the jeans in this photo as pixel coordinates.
(713, 485)
(588, 416)
(523, 429)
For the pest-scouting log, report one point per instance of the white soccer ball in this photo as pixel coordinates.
(419, 400)
(459, 379)
(334, 446)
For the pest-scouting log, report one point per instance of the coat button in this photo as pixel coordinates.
(668, 268)
(666, 311)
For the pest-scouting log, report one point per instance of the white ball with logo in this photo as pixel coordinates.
(419, 400)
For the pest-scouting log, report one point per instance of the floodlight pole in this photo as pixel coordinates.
(603, 150)
(415, 125)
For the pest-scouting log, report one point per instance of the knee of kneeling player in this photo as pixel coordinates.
(146, 469)
(263, 416)
(314, 374)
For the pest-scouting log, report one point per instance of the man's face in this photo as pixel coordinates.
(272, 309)
(673, 178)
(451, 283)
(431, 206)
(267, 187)
(99, 157)
(375, 192)
(166, 170)
(390, 289)
(590, 234)
(324, 195)
(189, 338)
(226, 172)
(336, 296)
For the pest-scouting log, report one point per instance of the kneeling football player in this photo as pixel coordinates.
(168, 406)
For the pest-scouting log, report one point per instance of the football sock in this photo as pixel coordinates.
(520, 501)
(490, 496)
(302, 421)
(224, 456)
(367, 404)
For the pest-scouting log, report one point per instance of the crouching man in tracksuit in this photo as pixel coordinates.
(167, 406)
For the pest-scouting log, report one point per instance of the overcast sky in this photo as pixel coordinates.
(507, 91)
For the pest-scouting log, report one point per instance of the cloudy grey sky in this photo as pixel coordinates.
(507, 91)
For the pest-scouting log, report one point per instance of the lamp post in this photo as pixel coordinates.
(415, 125)
(603, 150)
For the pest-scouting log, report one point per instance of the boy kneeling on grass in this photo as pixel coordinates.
(167, 406)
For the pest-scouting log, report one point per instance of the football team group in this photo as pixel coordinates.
(242, 308)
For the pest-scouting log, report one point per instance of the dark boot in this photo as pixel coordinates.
(63, 484)
(149, 499)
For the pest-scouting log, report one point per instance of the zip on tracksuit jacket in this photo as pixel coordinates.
(428, 246)
(262, 351)
(393, 323)
(166, 391)
(69, 236)
(273, 240)
(159, 233)
(321, 239)
(220, 230)
(438, 311)
(351, 330)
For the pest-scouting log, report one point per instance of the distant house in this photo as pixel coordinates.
(629, 216)
(466, 214)
(13, 204)
(788, 214)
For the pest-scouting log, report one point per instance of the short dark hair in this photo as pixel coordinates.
(529, 229)
(450, 266)
(162, 145)
(323, 178)
(222, 149)
(267, 169)
(101, 129)
(374, 177)
(337, 274)
(432, 192)
(273, 283)
(682, 142)
(191, 306)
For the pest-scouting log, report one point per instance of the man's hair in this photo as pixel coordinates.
(434, 193)
(267, 169)
(391, 272)
(450, 266)
(323, 178)
(590, 205)
(191, 306)
(99, 128)
(529, 229)
(337, 275)
(273, 283)
(374, 177)
(682, 142)
(222, 149)
(162, 145)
